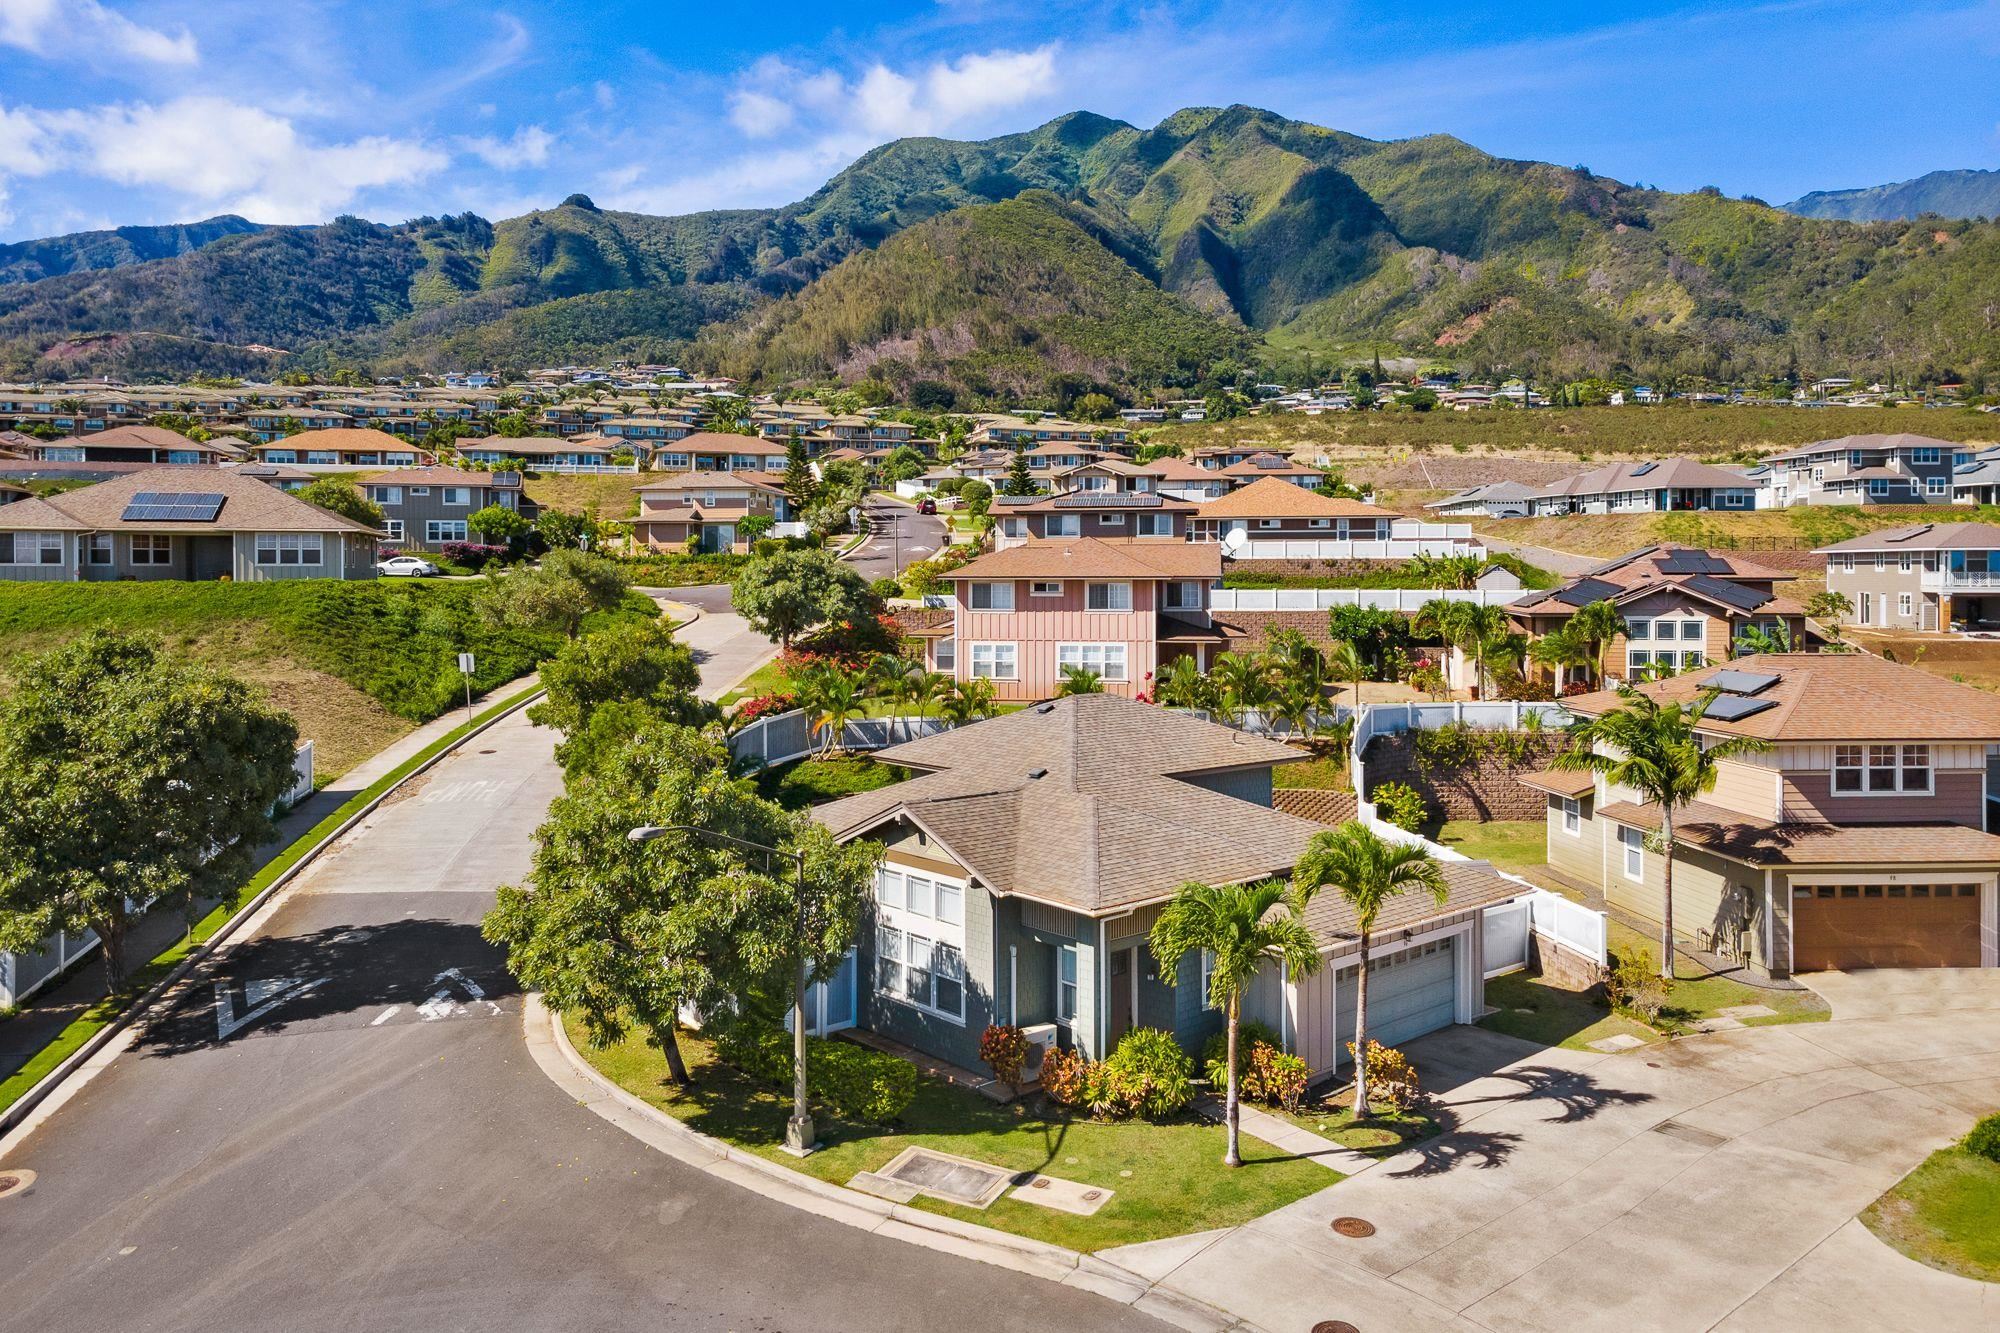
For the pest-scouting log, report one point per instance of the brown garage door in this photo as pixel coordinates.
(1884, 925)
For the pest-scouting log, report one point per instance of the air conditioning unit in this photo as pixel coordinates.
(1041, 1040)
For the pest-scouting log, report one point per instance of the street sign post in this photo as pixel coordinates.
(466, 666)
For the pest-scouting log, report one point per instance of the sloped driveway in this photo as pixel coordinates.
(1709, 1183)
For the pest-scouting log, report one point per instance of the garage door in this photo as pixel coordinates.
(1843, 926)
(1409, 993)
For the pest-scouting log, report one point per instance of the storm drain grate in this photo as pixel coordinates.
(1700, 1138)
(1334, 1326)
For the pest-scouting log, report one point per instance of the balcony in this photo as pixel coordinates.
(1961, 580)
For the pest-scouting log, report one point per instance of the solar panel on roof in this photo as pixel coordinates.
(1585, 591)
(1693, 562)
(1741, 682)
(1107, 500)
(1736, 707)
(173, 507)
(1643, 469)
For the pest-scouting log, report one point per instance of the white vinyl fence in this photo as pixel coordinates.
(1510, 927)
(783, 737)
(1338, 548)
(1381, 599)
(1499, 715)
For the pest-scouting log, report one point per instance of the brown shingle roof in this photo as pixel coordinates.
(1834, 697)
(1924, 537)
(434, 476)
(710, 481)
(341, 437)
(1557, 782)
(1092, 557)
(1741, 838)
(721, 442)
(249, 505)
(1273, 497)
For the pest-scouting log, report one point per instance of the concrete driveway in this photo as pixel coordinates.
(1709, 1183)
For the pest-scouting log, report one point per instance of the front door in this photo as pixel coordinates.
(1124, 978)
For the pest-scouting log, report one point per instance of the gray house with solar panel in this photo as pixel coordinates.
(180, 523)
(1670, 485)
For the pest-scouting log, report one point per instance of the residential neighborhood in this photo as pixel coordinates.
(934, 674)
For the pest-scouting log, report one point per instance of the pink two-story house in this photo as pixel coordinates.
(1119, 608)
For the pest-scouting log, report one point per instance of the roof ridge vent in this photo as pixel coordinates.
(1036, 774)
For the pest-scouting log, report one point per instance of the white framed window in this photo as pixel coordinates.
(1904, 603)
(990, 596)
(1106, 659)
(1066, 984)
(444, 530)
(1153, 525)
(456, 495)
(945, 655)
(889, 887)
(1693, 630)
(1572, 816)
(1935, 485)
(1111, 520)
(1045, 588)
(420, 490)
(995, 661)
(1916, 768)
(919, 942)
(1107, 596)
(288, 548)
(100, 548)
(1208, 979)
(888, 960)
(30, 548)
(1062, 525)
(1905, 562)
(1638, 659)
(1881, 769)
(1847, 766)
(1182, 595)
(386, 495)
(394, 527)
(1270, 522)
(1634, 843)
(1638, 629)
(152, 548)
(1320, 523)
(920, 895)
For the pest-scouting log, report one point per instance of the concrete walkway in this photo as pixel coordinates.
(1709, 1183)
(48, 1013)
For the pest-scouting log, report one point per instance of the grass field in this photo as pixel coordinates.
(1168, 1178)
(1946, 1213)
(1669, 431)
(1510, 844)
(1804, 527)
(356, 664)
(612, 495)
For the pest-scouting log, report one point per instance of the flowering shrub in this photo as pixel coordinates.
(764, 705)
(1391, 1075)
(1004, 1048)
(1576, 687)
(473, 555)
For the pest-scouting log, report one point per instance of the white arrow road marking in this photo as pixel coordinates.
(442, 1005)
(261, 997)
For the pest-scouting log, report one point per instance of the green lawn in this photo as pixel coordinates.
(1696, 995)
(1946, 1214)
(1383, 1134)
(1326, 770)
(809, 782)
(1169, 1178)
(1510, 844)
(1535, 1010)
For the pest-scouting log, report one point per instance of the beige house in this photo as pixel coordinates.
(1858, 840)
(1925, 577)
(707, 509)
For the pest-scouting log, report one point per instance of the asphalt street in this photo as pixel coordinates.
(340, 1127)
(898, 537)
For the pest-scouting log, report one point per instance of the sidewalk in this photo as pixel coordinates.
(45, 1016)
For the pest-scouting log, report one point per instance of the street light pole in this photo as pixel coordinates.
(800, 1137)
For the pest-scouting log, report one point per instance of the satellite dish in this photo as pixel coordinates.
(1233, 541)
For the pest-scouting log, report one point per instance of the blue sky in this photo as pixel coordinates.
(127, 111)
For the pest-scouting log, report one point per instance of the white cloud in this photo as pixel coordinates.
(217, 153)
(528, 148)
(47, 26)
(759, 114)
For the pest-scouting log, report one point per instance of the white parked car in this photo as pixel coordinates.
(407, 566)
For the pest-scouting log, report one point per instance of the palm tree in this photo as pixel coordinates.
(1241, 928)
(1079, 680)
(1599, 623)
(1345, 661)
(1298, 703)
(1245, 682)
(1292, 656)
(979, 695)
(957, 706)
(1478, 625)
(1655, 750)
(838, 700)
(902, 679)
(1366, 870)
(1561, 649)
(936, 685)
(1183, 684)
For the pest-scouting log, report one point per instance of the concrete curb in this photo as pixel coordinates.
(558, 1058)
(82, 1059)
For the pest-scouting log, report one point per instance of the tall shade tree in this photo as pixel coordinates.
(128, 775)
(602, 685)
(556, 597)
(1599, 623)
(1366, 870)
(343, 498)
(624, 934)
(1242, 928)
(789, 592)
(1656, 751)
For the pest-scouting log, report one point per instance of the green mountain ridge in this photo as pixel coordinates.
(1085, 249)
(1947, 194)
(53, 256)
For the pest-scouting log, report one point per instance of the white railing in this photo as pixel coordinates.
(783, 737)
(1939, 580)
(1387, 719)
(1381, 599)
(1340, 548)
(1510, 927)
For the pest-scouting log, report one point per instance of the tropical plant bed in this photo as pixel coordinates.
(1167, 1178)
(1697, 995)
(1946, 1214)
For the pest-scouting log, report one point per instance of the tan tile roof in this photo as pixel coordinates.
(341, 437)
(1924, 537)
(1273, 497)
(721, 442)
(1835, 697)
(712, 481)
(249, 505)
(1557, 782)
(1106, 825)
(1741, 838)
(1092, 557)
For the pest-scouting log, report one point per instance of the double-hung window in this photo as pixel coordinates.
(990, 596)
(1182, 595)
(1106, 659)
(1572, 812)
(1638, 629)
(1153, 525)
(1634, 843)
(444, 530)
(457, 495)
(1107, 597)
(30, 548)
(288, 548)
(100, 548)
(995, 661)
(1062, 525)
(152, 548)
(1066, 984)
(919, 941)
(1878, 769)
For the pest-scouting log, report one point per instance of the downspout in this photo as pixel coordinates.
(1013, 985)
(1098, 971)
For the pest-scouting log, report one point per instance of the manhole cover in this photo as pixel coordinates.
(1354, 1227)
(15, 1181)
(1334, 1326)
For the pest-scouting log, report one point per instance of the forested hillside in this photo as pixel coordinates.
(1083, 248)
(1949, 194)
(31, 261)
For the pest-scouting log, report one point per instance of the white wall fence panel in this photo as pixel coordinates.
(22, 974)
(1381, 599)
(783, 737)
(1336, 548)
